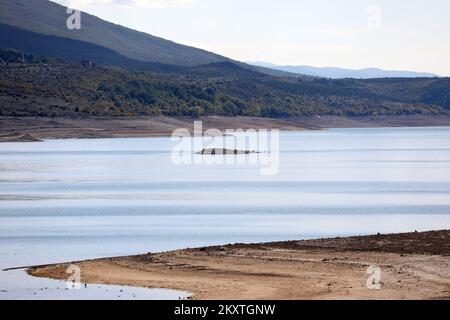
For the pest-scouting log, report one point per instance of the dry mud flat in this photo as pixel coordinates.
(34, 129)
(412, 266)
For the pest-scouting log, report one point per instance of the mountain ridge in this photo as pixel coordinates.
(132, 44)
(117, 85)
(343, 73)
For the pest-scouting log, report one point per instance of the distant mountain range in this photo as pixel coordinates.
(340, 73)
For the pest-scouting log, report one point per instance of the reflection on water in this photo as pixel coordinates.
(65, 200)
(17, 285)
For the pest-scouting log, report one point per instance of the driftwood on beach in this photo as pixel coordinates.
(19, 138)
(221, 151)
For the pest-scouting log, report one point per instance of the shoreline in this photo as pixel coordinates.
(32, 129)
(413, 266)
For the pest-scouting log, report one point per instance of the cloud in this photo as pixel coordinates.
(127, 3)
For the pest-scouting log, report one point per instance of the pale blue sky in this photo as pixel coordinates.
(410, 34)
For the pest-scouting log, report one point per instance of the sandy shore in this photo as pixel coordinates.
(413, 266)
(35, 129)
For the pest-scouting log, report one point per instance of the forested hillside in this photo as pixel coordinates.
(32, 85)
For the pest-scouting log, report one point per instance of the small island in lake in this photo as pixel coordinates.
(221, 151)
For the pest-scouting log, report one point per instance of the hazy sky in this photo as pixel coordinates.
(390, 34)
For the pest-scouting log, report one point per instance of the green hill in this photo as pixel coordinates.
(39, 86)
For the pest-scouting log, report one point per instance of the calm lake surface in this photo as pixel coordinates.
(66, 200)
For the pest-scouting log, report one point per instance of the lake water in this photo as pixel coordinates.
(66, 200)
